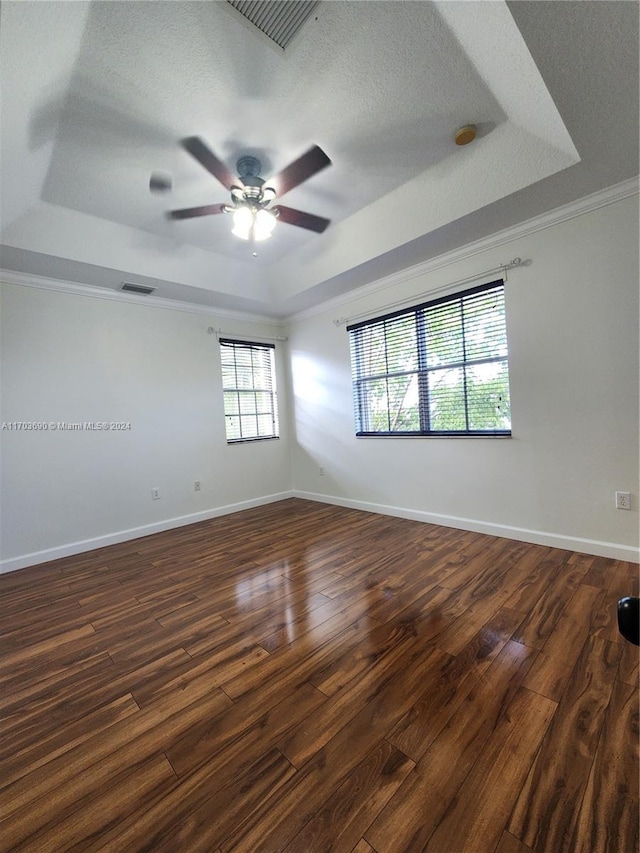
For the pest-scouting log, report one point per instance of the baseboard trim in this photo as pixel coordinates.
(537, 537)
(520, 534)
(72, 548)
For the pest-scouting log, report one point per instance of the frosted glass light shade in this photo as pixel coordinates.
(242, 223)
(264, 225)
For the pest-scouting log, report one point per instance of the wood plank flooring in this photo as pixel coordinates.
(307, 678)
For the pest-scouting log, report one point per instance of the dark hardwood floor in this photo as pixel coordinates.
(307, 678)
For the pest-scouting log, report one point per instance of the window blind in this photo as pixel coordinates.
(249, 389)
(438, 368)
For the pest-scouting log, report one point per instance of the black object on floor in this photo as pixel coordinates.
(628, 619)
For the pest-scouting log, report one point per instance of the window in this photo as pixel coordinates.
(249, 388)
(439, 368)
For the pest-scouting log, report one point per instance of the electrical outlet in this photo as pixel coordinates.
(155, 494)
(623, 500)
(322, 472)
(196, 485)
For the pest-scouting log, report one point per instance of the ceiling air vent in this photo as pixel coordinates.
(279, 20)
(136, 288)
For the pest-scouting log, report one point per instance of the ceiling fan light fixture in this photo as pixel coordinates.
(250, 223)
(253, 219)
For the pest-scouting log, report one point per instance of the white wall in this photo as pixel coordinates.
(572, 322)
(73, 358)
(573, 333)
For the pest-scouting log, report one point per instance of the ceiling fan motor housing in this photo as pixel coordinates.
(249, 172)
(248, 167)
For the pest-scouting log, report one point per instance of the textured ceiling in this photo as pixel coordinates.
(97, 95)
(243, 97)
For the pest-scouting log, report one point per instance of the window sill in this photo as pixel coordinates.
(251, 440)
(433, 435)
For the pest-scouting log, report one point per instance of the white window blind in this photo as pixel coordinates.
(249, 388)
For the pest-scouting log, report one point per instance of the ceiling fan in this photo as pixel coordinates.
(254, 214)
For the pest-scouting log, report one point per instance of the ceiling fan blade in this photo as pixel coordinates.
(190, 212)
(302, 219)
(295, 173)
(196, 147)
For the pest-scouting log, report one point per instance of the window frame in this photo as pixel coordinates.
(235, 345)
(422, 370)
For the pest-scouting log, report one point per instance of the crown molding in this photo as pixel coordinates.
(580, 207)
(584, 205)
(94, 292)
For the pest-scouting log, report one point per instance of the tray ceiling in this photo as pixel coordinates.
(96, 97)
